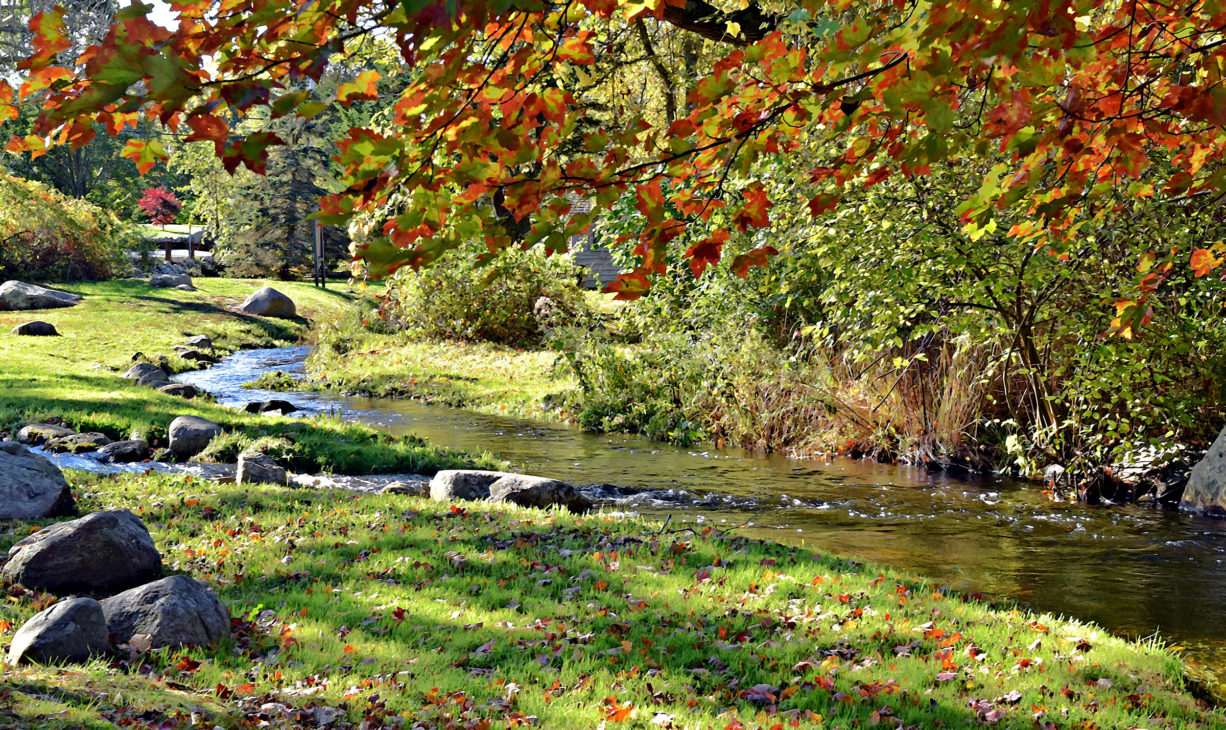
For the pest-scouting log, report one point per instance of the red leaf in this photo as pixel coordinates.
(1203, 261)
(753, 214)
(822, 204)
(707, 252)
(756, 257)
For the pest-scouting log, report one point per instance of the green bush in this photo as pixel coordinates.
(461, 298)
(45, 235)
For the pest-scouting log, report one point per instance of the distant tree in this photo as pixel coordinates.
(160, 205)
(272, 233)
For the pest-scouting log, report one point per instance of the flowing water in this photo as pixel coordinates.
(1135, 570)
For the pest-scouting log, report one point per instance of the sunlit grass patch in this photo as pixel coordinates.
(77, 377)
(416, 612)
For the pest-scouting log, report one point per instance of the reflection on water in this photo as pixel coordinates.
(1134, 570)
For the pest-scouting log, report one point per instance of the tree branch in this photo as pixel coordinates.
(708, 21)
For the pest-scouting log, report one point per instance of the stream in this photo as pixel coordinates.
(1134, 570)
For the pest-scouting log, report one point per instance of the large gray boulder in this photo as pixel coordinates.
(19, 295)
(173, 611)
(36, 328)
(40, 433)
(189, 435)
(255, 467)
(126, 452)
(453, 484)
(31, 487)
(166, 274)
(146, 373)
(103, 552)
(70, 631)
(529, 491)
(1206, 490)
(269, 302)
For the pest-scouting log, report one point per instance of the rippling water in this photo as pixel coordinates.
(1134, 570)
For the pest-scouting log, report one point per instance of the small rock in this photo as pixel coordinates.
(126, 452)
(269, 302)
(189, 435)
(173, 611)
(269, 406)
(146, 373)
(19, 295)
(197, 356)
(413, 489)
(78, 443)
(529, 491)
(258, 468)
(38, 433)
(36, 328)
(200, 341)
(31, 487)
(453, 484)
(182, 390)
(102, 552)
(185, 287)
(70, 631)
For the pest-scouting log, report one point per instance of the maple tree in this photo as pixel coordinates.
(498, 137)
(160, 205)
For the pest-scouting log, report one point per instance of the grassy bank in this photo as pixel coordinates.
(402, 612)
(77, 377)
(351, 358)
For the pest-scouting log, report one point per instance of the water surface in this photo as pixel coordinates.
(1135, 570)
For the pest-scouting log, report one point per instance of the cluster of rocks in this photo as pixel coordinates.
(18, 295)
(169, 275)
(104, 566)
(500, 486)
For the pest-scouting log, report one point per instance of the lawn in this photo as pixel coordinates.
(77, 377)
(402, 612)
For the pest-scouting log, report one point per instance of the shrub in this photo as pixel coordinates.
(458, 298)
(45, 235)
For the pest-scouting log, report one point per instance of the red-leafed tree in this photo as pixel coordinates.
(160, 205)
(1088, 105)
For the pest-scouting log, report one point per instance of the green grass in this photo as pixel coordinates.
(406, 612)
(77, 377)
(351, 358)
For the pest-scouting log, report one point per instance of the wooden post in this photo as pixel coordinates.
(318, 249)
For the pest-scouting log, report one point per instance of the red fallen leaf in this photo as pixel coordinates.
(398, 614)
(349, 649)
(615, 712)
(187, 664)
(244, 689)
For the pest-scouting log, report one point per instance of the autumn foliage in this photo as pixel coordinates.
(1089, 104)
(160, 205)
